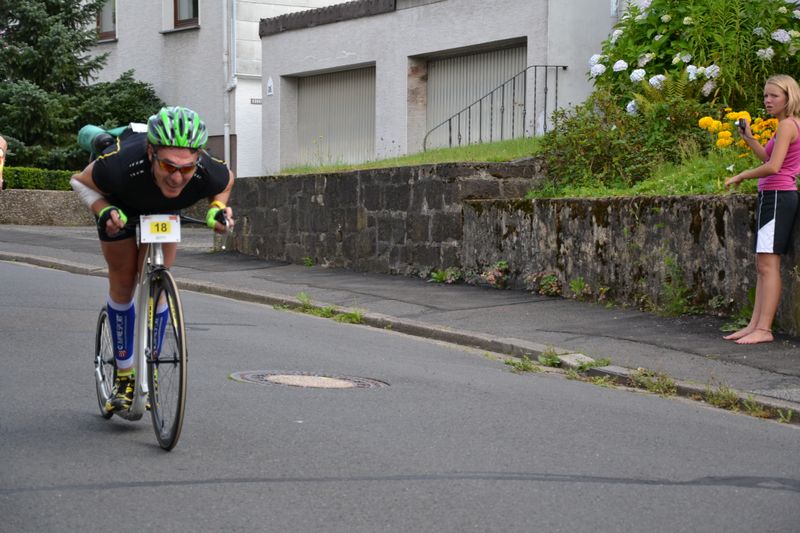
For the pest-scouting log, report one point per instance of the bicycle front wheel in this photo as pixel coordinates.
(105, 365)
(166, 358)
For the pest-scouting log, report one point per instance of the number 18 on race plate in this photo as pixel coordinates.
(160, 228)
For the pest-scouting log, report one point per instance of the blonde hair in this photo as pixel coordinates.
(789, 86)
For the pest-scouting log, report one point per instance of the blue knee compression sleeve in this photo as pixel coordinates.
(121, 318)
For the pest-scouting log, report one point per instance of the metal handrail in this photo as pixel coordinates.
(502, 109)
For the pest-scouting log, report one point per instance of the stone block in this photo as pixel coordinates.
(371, 196)
(425, 256)
(478, 188)
(418, 228)
(397, 197)
(446, 226)
(391, 229)
(341, 191)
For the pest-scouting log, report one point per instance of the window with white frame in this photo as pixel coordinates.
(186, 13)
(107, 21)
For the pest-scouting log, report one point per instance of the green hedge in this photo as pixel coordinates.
(37, 178)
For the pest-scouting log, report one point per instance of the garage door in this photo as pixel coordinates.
(336, 117)
(456, 82)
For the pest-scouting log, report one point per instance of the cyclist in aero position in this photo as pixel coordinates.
(162, 171)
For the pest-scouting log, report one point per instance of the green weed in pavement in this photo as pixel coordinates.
(523, 364)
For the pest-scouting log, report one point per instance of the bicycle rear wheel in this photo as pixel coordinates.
(166, 359)
(105, 365)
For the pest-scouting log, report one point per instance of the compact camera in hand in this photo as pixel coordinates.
(741, 123)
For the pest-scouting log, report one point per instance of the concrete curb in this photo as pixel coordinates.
(505, 345)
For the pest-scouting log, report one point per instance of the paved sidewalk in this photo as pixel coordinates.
(689, 349)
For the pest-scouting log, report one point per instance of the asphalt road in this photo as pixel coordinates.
(455, 442)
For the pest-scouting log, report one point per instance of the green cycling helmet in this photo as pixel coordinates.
(177, 126)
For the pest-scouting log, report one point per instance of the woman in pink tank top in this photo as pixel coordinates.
(777, 202)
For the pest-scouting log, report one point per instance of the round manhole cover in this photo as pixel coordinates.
(303, 379)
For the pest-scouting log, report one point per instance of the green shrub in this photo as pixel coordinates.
(742, 41)
(37, 178)
(599, 144)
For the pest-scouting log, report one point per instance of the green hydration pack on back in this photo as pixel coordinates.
(95, 139)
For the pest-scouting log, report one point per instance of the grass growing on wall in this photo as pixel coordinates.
(485, 153)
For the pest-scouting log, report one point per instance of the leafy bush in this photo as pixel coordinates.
(37, 178)
(600, 144)
(727, 48)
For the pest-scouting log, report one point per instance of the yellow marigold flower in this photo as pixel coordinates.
(732, 115)
(705, 122)
(745, 114)
(715, 126)
(722, 142)
(726, 126)
(741, 144)
(724, 135)
(727, 109)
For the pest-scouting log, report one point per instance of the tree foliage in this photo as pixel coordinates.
(45, 42)
(46, 70)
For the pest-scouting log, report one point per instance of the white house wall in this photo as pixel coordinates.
(396, 40)
(185, 67)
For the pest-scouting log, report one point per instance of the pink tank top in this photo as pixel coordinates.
(785, 179)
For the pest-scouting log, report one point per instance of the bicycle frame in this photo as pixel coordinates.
(154, 260)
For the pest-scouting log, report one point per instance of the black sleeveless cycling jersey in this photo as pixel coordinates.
(125, 176)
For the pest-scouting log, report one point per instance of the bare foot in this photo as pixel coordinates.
(739, 334)
(756, 337)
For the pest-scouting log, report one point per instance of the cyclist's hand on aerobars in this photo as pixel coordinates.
(113, 219)
(227, 225)
(219, 217)
(114, 224)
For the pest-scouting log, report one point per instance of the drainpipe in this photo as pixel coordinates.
(229, 70)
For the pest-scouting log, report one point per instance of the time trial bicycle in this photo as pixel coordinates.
(160, 355)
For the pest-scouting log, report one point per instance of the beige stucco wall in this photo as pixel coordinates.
(186, 67)
(557, 32)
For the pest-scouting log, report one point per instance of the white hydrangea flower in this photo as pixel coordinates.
(796, 13)
(688, 21)
(657, 81)
(645, 4)
(782, 10)
(759, 31)
(638, 75)
(692, 71)
(666, 18)
(640, 17)
(782, 36)
(766, 53)
(597, 70)
(616, 34)
(794, 34)
(658, 37)
(595, 59)
(712, 71)
(632, 108)
(709, 86)
(644, 59)
(620, 66)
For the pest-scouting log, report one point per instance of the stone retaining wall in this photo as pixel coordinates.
(639, 250)
(416, 219)
(43, 208)
(55, 208)
(401, 220)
